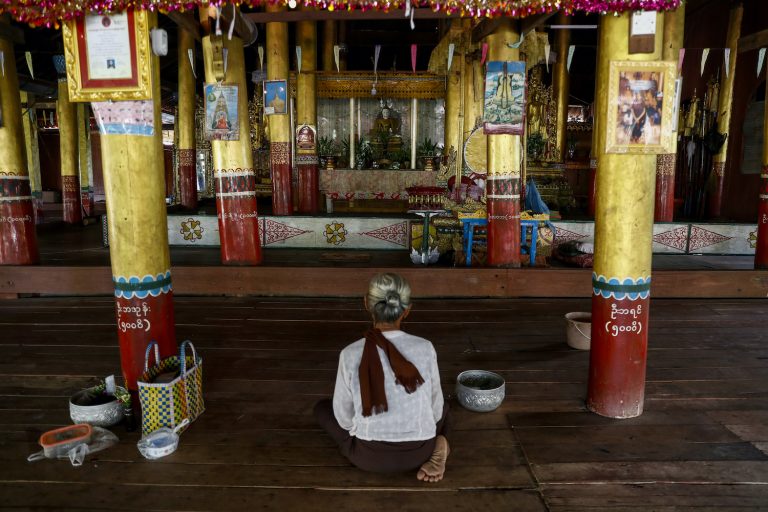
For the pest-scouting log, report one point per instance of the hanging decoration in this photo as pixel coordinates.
(517, 44)
(451, 49)
(298, 59)
(336, 53)
(727, 56)
(261, 57)
(484, 53)
(680, 58)
(760, 60)
(376, 52)
(413, 57)
(571, 51)
(2, 63)
(191, 56)
(409, 13)
(28, 56)
(547, 50)
(704, 56)
(50, 13)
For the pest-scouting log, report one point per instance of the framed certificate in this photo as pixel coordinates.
(108, 57)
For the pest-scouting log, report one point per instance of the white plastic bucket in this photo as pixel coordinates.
(579, 330)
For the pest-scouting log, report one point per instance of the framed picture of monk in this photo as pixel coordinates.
(275, 97)
(221, 118)
(641, 107)
(504, 98)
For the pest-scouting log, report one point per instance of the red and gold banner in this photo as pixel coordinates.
(18, 241)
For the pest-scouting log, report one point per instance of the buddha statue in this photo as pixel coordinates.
(385, 122)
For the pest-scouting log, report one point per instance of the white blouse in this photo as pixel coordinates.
(410, 417)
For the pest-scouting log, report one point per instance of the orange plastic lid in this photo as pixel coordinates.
(71, 434)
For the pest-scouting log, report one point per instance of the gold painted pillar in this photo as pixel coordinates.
(18, 241)
(621, 280)
(761, 244)
(234, 175)
(32, 147)
(454, 120)
(674, 25)
(717, 179)
(84, 158)
(134, 184)
(185, 124)
(504, 152)
(330, 34)
(70, 156)
(279, 124)
(561, 81)
(306, 120)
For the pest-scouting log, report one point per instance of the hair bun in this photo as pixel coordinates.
(393, 299)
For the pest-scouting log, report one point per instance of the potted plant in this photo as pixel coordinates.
(535, 146)
(397, 159)
(363, 153)
(427, 152)
(328, 151)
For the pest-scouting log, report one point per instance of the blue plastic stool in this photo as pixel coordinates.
(525, 226)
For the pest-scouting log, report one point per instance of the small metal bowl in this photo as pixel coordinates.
(480, 390)
(82, 410)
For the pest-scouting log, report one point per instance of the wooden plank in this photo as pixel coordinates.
(687, 472)
(350, 282)
(753, 41)
(115, 496)
(186, 21)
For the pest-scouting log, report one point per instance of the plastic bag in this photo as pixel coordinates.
(533, 200)
(100, 440)
(161, 442)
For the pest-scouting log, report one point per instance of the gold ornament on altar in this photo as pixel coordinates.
(541, 119)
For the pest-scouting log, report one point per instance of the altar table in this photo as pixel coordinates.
(373, 183)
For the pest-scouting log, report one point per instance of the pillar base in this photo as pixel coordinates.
(503, 220)
(309, 184)
(619, 346)
(187, 178)
(665, 188)
(18, 240)
(282, 185)
(70, 198)
(144, 308)
(238, 218)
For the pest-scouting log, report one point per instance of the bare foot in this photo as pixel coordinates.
(434, 469)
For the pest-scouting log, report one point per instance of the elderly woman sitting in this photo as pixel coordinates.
(387, 413)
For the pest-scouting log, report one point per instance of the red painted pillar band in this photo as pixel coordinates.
(619, 346)
(761, 248)
(716, 197)
(70, 199)
(18, 241)
(187, 178)
(86, 199)
(309, 184)
(280, 167)
(503, 202)
(238, 219)
(144, 309)
(591, 187)
(665, 188)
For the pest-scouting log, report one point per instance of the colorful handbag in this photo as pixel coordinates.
(175, 396)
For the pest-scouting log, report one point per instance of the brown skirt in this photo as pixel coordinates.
(379, 456)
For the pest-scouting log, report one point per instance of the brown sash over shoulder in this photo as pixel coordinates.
(371, 372)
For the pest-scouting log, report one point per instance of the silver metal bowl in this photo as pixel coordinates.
(480, 390)
(101, 415)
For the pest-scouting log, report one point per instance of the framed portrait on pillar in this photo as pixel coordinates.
(108, 57)
(641, 107)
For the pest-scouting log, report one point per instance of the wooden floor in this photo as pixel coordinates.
(700, 445)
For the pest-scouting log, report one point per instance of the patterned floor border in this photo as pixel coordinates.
(393, 233)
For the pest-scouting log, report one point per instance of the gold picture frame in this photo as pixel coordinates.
(640, 112)
(134, 70)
